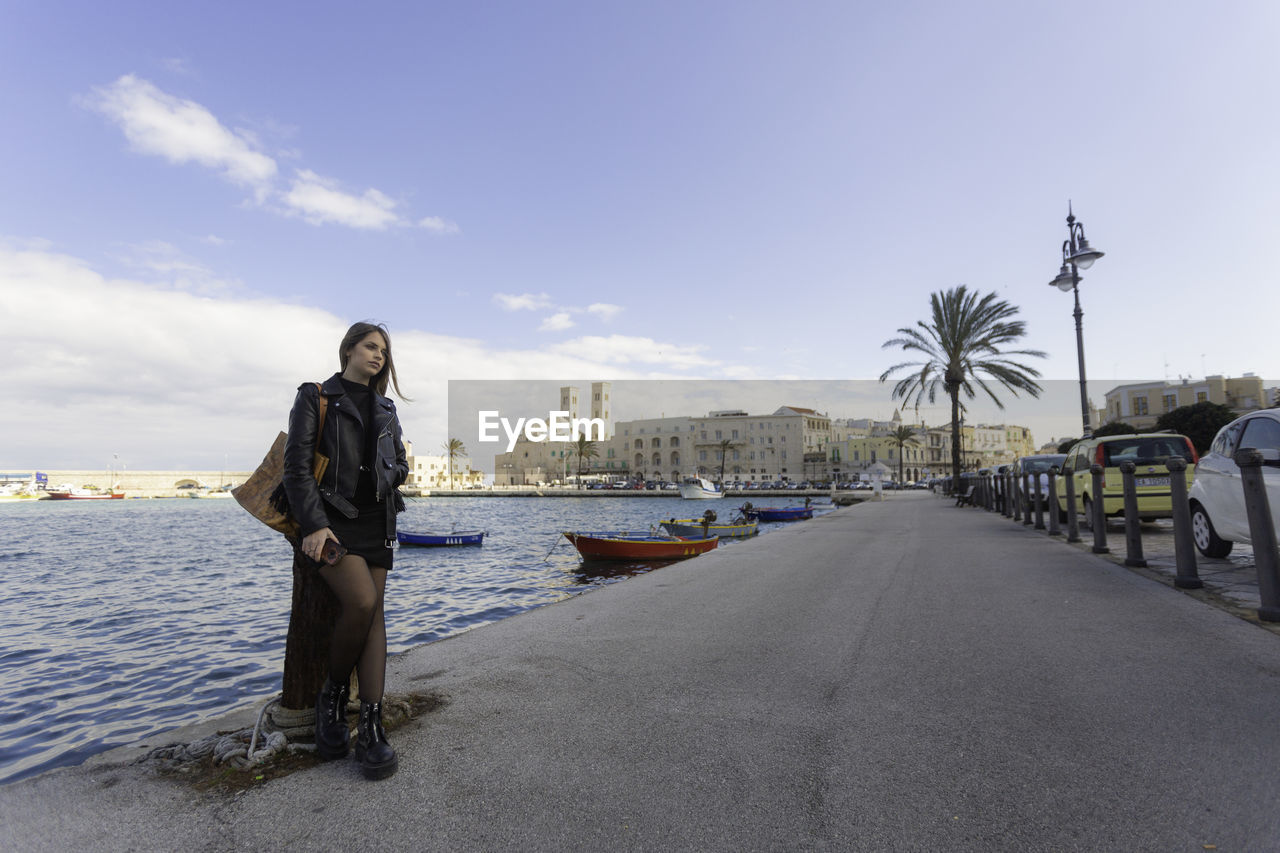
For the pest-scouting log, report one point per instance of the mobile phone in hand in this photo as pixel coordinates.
(332, 552)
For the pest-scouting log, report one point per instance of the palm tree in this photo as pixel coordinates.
(453, 448)
(725, 446)
(584, 450)
(901, 435)
(961, 348)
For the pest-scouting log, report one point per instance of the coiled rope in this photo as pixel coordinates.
(276, 727)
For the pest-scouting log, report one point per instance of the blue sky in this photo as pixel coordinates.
(199, 199)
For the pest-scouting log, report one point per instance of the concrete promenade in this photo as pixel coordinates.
(902, 675)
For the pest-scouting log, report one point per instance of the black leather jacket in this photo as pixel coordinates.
(343, 443)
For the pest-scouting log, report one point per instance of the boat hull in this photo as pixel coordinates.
(790, 513)
(440, 540)
(697, 488)
(72, 496)
(604, 546)
(695, 529)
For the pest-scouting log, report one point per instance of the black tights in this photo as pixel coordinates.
(360, 634)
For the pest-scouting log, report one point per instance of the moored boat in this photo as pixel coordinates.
(457, 537)
(84, 495)
(617, 545)
(699, 528)
(775, 513)
(699, 488)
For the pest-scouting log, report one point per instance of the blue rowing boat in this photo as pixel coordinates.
(784, 513)
(457, 537)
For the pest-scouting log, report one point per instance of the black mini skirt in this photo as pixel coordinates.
(365, 535)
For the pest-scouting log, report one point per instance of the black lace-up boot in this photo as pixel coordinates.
(377, 758)
(333, 736)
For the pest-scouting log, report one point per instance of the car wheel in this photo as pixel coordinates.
(1206, 538)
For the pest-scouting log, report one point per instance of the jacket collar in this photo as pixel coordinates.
(332, 387)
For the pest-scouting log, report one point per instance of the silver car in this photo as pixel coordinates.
(1218, 516)
(1038, 467)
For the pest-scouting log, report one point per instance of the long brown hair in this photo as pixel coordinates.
(387, 375)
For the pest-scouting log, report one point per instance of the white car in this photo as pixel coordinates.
(1218, 516)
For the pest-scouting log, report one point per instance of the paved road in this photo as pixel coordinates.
(894, 676)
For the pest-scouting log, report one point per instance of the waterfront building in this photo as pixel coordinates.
(432, 472)
(1141, 404)
(533, 463)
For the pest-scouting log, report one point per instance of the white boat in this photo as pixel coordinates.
(699, 488)
(16, 492)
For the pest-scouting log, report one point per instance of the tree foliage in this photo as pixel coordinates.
(961, 350)
(902, 435)
(585, 450)
(1066, 444)
(1199, 422)
(725, 446)
(1115, 428)
(453, 448)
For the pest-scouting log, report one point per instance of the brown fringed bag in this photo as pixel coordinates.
(263, 493)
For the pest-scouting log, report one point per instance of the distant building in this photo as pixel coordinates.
(790, 444)
(530, 463)
(1141, 404)
(432, 472)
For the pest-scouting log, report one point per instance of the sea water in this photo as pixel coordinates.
(121, 619)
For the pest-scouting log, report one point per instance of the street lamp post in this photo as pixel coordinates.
(1078, 255)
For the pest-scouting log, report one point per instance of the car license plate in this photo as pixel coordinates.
(1151, 482)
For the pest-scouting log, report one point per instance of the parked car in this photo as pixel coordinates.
(1218, 517)
(1038, 467)
(1148, 451)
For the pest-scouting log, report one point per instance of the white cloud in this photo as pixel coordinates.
(168, 378)
(556, 323)
(604, 310)
(521, 302)
(176, 65)
(436, 225)
(318, 200)
(181, 131)
(624, 350)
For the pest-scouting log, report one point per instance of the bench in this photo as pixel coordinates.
(966, 497)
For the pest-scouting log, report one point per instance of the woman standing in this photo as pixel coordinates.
(354, 504)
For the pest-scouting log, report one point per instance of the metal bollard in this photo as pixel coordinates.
(1005, 479)
(1262, 533)
(1073, 523)
(1026, 498)
(1132, 535)
(1014, 504)
(1054, 528)
(1099, 520)
(1037, 501)
(1184, 547)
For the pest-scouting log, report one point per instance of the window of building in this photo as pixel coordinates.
(1170, 402)
(1202, 396)
(1139, 405)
